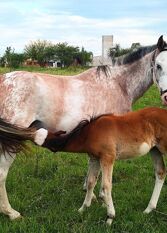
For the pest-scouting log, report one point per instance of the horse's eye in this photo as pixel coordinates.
(159, 67)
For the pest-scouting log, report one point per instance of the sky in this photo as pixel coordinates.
(81, 22)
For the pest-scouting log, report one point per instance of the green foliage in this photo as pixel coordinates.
(71, 70)
(68, 55)
(118, 51)
(40, 50)
(43, 51)
(2, 61)
(65, 53)
(12, 59)
(84, 57)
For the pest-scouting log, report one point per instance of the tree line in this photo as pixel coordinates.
(44, 51)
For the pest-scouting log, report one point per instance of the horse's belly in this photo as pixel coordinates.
(131, 151)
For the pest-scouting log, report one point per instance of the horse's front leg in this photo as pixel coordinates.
(160, 174)
(94, 170)
(107, 163)
(5, 207)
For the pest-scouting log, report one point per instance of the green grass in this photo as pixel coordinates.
(58, 71)
(49, 197)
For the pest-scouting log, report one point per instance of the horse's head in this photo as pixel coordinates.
(160, 68)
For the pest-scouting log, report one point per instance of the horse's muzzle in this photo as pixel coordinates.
(164, 96)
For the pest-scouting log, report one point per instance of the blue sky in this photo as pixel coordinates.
(81, 23)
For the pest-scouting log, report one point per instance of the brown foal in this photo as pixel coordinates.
(108, 138)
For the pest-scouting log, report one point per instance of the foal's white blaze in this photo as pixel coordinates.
(40, 136)
(144, 148)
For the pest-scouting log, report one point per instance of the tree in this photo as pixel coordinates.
(2, 61)
(118, 51)
(43, 51)
(40, 50)
(69, 55)
(12, 59)
(84, 57)
(66, 53)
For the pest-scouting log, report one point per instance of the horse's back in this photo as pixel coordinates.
(26, 97)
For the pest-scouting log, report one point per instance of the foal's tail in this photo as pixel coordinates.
(13, 137)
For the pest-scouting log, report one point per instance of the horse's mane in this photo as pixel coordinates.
(94, 118)
(103, 68)
(134, 56)
(61, 139)
(125, 59)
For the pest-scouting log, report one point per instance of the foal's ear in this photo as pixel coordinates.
(161, 44)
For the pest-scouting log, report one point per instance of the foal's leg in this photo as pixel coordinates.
(92, 162)
(107, 169)
(160, 173)
(91, 182)
(5, 162)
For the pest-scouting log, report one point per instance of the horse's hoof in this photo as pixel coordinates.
(81, 210)
(15, 216)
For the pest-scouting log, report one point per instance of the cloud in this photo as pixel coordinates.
(77, 30)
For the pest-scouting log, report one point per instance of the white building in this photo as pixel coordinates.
(104, 59)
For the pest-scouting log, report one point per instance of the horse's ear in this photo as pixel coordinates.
(161, 44)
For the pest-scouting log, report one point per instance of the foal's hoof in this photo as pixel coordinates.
(109, 221)
(148, 209)
(104, 205)
(94, 198)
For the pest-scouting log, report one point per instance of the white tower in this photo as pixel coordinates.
(107, 43)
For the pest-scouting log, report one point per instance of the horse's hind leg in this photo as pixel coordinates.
(91, 182)
(160, 174)
(5, 162)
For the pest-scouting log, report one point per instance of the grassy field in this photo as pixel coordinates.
(48, 196)
(58, 71)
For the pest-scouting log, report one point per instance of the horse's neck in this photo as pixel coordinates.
(137, 77)
(131, 80)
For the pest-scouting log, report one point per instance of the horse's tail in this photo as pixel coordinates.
(13, 137)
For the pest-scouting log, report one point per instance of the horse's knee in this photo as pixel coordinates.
(106, 186)
(3, 175)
